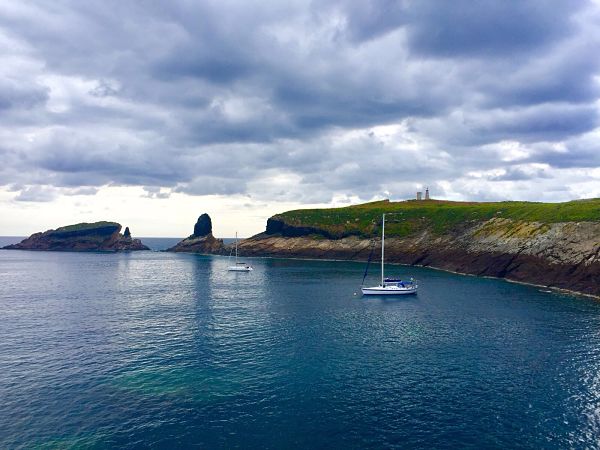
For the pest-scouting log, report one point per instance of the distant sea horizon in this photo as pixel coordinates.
(155, 243)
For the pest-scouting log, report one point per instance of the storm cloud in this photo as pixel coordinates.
(303, 101)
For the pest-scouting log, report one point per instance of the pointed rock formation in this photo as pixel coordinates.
(202, 241)
(203, 226)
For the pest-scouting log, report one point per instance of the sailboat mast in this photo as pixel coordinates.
(382, 246)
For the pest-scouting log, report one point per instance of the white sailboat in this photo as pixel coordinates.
(390, 286)
(238, 266)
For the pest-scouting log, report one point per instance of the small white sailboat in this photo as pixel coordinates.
(390, 286)
(238, 266)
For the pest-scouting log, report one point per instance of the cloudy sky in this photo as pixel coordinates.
(152, 112)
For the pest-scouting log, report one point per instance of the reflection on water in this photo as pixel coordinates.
(161, 350)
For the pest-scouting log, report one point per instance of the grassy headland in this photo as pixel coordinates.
(86, 226)
(438, 216)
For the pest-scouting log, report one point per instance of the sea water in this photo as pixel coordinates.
(160, 350)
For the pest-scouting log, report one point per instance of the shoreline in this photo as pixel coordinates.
(525, 283)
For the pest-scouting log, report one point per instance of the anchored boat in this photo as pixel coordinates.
(389, 286)
(238, 266)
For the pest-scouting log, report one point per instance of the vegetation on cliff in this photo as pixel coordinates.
(550, 244)
(437, 216)
(82, 237)
(86, 226)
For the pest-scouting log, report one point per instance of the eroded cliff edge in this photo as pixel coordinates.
(555, 245)
(82, 237)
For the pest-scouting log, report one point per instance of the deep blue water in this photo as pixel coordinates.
(160, 350)
(159, 244)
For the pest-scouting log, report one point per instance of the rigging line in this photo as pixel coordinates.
(368, 262)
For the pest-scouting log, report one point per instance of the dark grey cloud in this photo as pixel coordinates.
(292, 101)
(579, 152)
(488, 28)
(539, 123)
(156, 192)
(104, 89)
(519, 174)
(16, 95)
(36, 194)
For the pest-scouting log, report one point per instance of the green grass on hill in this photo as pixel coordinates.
(438, 215)
(86, 226)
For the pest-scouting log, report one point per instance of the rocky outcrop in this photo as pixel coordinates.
(201, 241)
(206, 245)
(203, 226)
(561, 255)
(82, 237)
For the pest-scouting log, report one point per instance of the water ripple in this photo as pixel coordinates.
(160, 350)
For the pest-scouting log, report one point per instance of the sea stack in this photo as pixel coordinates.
(203, 226)
(82, 237)
(202, 240)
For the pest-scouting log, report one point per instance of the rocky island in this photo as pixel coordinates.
(82, 237)
(550, 244)
(201, 241)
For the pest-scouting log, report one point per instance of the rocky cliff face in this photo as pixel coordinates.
(82, 237)
(206, 244)
(561, 255)
(202, 240)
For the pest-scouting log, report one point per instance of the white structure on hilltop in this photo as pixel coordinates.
(419, 195)
(426, 193)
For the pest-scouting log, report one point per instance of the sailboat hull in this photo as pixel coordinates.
(389, 290)
(239, 269)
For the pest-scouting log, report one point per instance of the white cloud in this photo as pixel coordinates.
(290, 104)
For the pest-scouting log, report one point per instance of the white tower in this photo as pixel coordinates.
(427, 193)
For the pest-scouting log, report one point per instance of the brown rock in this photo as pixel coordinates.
(205, 244)
(81, 237)
(559, 255)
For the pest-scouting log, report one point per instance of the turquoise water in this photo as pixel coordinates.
(160, 350)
